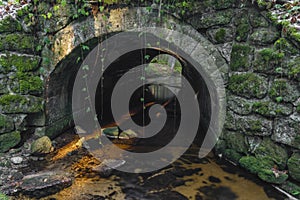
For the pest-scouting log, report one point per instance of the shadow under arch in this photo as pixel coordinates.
(58, 94)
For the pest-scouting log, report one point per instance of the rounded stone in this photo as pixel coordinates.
(16, 160)
(42, 145)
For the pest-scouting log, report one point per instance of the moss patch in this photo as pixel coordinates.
(298, 108)
(293, 166)
(281, 89)
(264, 36)
(240, 57)
(12, 62)
(25, 83)
(10, 25)
(248, 85)
(270, 177)
(20, 104)
(268, 150)
(294, 68)
(255, 165)
(6, 124)
(271, 109)
(3, 197)
(292, 189)
(267, 60)
(232, 155)
(9, 140)
(220, 35)
(283, 45)
(236, 142)
(17, 42)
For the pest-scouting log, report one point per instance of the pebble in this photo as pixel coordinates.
(16, 160)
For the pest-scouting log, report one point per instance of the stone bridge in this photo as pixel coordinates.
(234, 42)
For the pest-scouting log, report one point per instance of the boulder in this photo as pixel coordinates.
(42, 145)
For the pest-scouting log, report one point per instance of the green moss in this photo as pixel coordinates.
(7, 99)
(255, 125)
(17, 42)
(220, 35)
(271, 109)
(240, 57)
(294, 68)
(21, 63)
(293, 166)
(248, 85)
(298, 108)
(20, 104)
(232, 155)
(267, 60)
(255, 165)
(264, 36)
(262, 3)
(9, 140)
(9, 24)
(3, 197)
(6, 124)
(283, 45)
(268, 150)
(296, 36)
(28, 84)
(281, 88)
(292, 189)
(270, 177)
(242, 32)
(236, 142)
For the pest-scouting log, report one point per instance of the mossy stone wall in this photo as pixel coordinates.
(22, 86)
(261, 131)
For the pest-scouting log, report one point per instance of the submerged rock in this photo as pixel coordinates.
(106, 167)
(42, 145)
(113, 132)
(44, 184)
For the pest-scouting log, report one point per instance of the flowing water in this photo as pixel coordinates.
(187, 178)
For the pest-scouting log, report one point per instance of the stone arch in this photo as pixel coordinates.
(63, 67)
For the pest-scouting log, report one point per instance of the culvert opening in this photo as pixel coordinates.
(161, 60)
(165, 72)
(161, 65)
